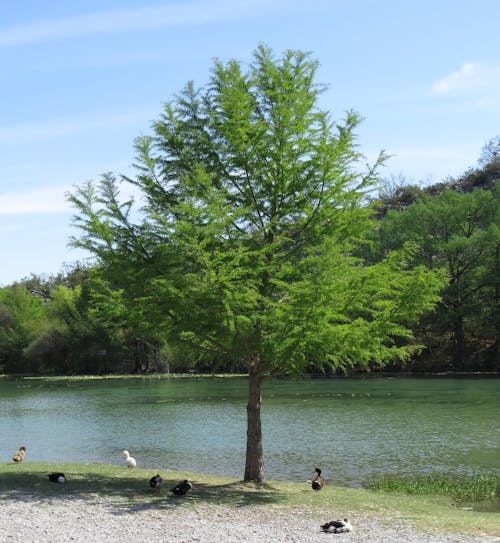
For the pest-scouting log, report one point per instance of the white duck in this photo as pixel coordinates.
(129, 460)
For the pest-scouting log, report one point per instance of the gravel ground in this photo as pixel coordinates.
(32, 519)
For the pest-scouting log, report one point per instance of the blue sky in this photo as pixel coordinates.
(80, 80)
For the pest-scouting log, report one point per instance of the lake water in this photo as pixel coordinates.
(351, 428)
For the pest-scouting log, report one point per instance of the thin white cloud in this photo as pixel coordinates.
(471, 76)
(465, 76)
(451, 152)
(43, 130)
(50, 200)
(490, 101)
(114, 21)
(433, 162)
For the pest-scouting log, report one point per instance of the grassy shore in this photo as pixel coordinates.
(120, 483)
(481, 491)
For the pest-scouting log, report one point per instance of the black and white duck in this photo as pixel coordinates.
(182, 488)
(156, 481)
(337, 526)
(57, 477)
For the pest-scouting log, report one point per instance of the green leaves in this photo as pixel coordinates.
(21, 318)
(253, 213)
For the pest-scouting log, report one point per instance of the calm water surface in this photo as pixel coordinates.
(351, 428)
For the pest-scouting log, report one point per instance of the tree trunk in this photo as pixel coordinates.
(459, 343)
(137, 356)
(147, 358)
(254, 465)
(496, 306)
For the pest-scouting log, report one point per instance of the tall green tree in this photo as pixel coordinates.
(252, 205)
(22, 319)
(460, 233)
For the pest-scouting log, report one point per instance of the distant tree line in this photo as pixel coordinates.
(80, 321)
(454, 225)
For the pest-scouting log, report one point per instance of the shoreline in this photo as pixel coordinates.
(274, 511)
(174, 375)
(36, 518)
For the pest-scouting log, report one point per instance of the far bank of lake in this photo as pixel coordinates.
(351, 428)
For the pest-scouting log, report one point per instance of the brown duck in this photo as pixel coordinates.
(19, 456)
(318, 482)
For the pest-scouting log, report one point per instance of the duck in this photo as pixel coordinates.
(19, 455)
(129, 460)
(337, 526)
(318, 482)
(156, 481)
(182, 488)
(57, 477)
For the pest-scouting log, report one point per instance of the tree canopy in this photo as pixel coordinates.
(244, 241)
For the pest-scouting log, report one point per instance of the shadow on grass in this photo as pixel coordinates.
(130, 491)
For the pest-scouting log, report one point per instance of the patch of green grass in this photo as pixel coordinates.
(481, 491)
(88, 479)
(130, 488)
